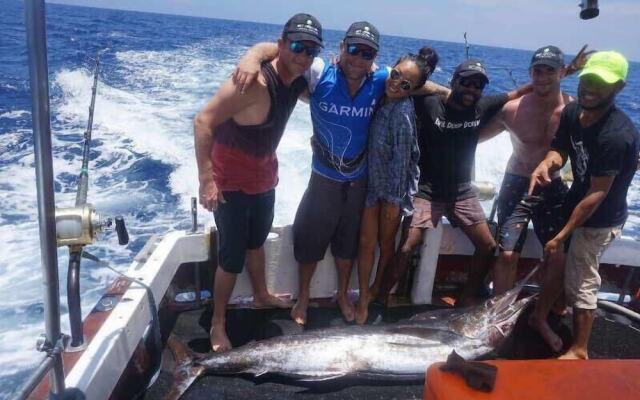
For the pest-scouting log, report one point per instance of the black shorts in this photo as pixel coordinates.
(516, 208)
(243, 222)
(329, 213)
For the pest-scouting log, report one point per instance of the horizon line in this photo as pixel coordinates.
(274, 24)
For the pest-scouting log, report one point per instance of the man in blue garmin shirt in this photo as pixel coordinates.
(342, 99)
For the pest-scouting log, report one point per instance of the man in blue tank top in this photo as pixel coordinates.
(342, 99)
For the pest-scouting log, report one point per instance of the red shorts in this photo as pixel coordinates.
(427, 213)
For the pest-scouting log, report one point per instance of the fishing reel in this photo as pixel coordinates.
(79, 226)
(486, 190)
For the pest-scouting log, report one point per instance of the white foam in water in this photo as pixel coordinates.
(149, 114)
(14, 114)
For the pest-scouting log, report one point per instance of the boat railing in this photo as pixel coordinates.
(52, 342)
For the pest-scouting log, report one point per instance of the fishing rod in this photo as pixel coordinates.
(83, 184)
(78, 226)
(486, 191)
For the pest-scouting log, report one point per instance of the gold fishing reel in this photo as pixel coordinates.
(80, 226)
(486, 190)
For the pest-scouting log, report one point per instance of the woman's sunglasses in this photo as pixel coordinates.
(368, 55)
(467, 82)
(298, 47)
(396, 75)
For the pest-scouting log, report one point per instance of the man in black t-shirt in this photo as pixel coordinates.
(448, 136)
(603, 145)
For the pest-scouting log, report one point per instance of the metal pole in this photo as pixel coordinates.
(38, 73)
(30, 385)
(625, 286)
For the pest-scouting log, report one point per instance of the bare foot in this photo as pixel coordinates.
(346, 307)
(219, 340)
(574, 354)
(299, 311)
(543, 328)
(269, 301)
(362, 310)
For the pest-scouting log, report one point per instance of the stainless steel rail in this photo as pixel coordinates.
(39, 77)
(38, 374)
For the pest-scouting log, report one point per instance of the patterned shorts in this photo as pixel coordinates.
(516, 208)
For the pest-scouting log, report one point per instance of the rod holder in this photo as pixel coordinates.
(194, 215)
(77, 342)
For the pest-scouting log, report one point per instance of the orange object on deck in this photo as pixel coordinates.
(542, 380)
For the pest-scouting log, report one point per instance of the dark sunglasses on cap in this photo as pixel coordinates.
(469, 82)
(396, 75)
(366, 54)
(298, 47)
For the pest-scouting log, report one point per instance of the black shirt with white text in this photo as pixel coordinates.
(448, 138)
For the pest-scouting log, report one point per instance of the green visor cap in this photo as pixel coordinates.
(610, 66)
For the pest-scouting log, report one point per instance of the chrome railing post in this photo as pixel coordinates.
(38, 73)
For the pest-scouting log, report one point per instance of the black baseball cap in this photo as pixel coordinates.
(548, 55)
(303, 27)
(363, 33)
(471, 67)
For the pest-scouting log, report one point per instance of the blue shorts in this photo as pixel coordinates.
(243, 222)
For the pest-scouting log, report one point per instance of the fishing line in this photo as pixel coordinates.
(155, 318)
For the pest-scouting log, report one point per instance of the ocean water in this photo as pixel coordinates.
(157, 73)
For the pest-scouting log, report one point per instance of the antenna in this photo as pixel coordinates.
(466, 46)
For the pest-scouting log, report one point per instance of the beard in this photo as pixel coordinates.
(602, 104)
(458, 98)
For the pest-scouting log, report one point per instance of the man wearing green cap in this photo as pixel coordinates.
(603, 145)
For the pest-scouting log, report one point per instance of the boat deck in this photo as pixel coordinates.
(612, 337)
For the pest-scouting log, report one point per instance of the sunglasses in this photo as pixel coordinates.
(593, 80)
(366, 54)
(298, 47)
(396, 75)
(476, 84)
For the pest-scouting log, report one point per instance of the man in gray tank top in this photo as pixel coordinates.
(236, 135)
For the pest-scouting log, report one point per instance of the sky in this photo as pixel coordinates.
(522, 24)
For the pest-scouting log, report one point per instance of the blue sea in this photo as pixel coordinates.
(157, 72)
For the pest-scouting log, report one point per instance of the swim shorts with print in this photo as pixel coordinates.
(516, 208)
